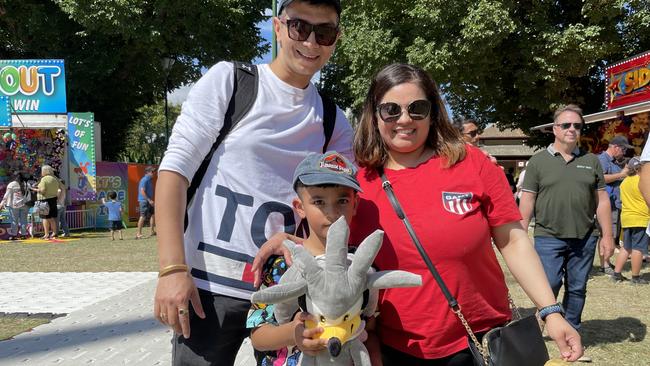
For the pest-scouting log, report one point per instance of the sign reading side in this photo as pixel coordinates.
(628, 81)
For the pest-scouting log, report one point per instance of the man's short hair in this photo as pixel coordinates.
(336, 4)
(460, 123)
(568, 108)
(149, 169)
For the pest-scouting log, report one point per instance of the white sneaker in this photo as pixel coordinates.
(584, 359)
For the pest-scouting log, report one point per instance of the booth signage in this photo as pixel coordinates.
(34, 86)
(5, 112)
(628, 81)
(111, 177)
(81, 127)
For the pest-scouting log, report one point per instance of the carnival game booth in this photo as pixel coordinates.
(627, 96)
(37, 129)
(123, 179)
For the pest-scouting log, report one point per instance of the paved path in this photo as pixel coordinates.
(110, 320)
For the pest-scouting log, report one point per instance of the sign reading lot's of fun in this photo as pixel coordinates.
(34, 86)
(81, 127)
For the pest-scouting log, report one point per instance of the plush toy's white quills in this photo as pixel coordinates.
(335, 292)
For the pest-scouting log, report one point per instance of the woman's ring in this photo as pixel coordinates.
(163, 315)
(182, 311)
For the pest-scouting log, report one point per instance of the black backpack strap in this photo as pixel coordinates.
(329, 119)
(243, 97)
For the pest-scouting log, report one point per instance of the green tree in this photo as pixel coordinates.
(113, 48)
(510, 62)
(146, 139)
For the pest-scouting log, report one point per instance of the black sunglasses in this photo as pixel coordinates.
(565, 126)
(300, 30)
(391, 112)
(471, 133)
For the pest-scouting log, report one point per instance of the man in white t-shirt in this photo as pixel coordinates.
(245, 195)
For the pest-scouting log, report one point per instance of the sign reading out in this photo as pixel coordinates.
(34, 86)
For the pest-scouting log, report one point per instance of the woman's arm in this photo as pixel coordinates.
(524, 264)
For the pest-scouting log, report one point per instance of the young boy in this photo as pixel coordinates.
(114, 214)
(634, 220)
(327, 189)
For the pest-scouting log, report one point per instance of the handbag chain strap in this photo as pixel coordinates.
(453, 303)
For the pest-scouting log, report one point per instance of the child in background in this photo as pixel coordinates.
(634, 220)
(114, 214)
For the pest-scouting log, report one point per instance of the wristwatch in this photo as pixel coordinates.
(551, 309)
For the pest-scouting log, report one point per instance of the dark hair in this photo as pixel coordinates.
(369, 148)
(18, 177)
(460, 123)
(336, 5)
(112, 195)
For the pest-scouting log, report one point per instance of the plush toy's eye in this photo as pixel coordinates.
(346, 317)
(322, 319)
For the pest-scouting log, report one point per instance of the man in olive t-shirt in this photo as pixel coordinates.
(565, 187)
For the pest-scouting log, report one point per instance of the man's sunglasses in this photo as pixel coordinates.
(300, 30)
(391, 112)
(565, 126)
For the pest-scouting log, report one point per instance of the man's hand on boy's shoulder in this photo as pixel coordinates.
(273, 246)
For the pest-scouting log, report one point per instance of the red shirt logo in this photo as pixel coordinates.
(457, 203)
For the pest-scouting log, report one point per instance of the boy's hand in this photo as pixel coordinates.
(273, 246)
(306, 339)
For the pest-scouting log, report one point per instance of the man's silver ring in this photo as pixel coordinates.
(182, 311)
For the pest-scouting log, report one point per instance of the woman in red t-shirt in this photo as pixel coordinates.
(458, 202)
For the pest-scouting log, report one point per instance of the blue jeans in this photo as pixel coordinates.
(568, 261)
(18, 217)
(63, 221)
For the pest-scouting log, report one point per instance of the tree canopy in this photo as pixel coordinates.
(509, 62)
(113, 48)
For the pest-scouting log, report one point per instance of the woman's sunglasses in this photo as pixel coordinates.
(300, 30)
(391, 112)
(567, 125)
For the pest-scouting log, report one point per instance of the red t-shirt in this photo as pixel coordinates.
(452, 211)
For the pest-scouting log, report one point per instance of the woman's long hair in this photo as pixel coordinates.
(18, 178)
(370, 151)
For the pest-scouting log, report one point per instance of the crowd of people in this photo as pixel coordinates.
(44, 197)
(26, 198)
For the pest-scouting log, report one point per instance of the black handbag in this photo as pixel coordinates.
(517, 343)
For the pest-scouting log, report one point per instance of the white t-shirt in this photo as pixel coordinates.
(645, 155)
(245, 196)
(13, 197)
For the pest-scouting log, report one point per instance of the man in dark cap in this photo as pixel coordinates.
(614, 175)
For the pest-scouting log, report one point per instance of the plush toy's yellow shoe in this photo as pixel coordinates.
(556, 362)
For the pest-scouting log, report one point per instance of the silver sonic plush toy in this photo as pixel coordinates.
(335, 292)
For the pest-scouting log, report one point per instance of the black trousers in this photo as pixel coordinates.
(216, 339)
(391, 356)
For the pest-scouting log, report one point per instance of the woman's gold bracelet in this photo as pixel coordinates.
(172, 268)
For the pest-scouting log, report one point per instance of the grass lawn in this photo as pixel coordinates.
(83, 252)
(614, 321)
(615, 318)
